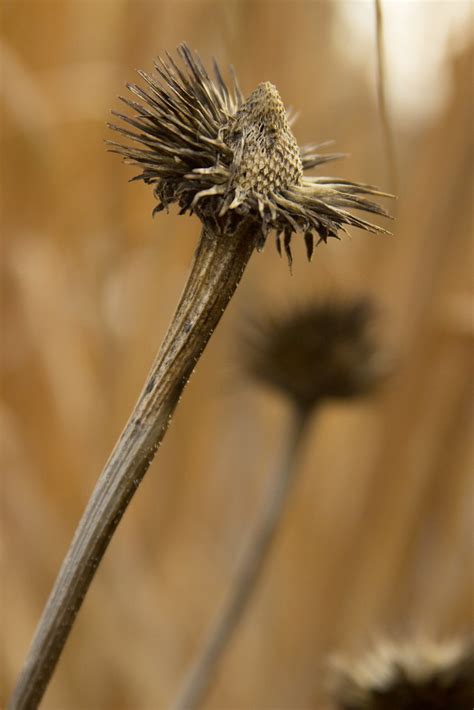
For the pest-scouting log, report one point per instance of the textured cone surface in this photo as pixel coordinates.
(267, 155)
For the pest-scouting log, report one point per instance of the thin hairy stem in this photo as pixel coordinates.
(382, 99)
(218, 266)
(201, 675)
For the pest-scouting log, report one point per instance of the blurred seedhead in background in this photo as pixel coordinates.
(326, 349)
(420, 675)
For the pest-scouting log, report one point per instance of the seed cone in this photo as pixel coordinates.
(201, 145)
(424, 676)
(324, 350)
(266, 154)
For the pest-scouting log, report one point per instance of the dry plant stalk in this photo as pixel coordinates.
(237, 166)
(322, 352)
(201, 675)
(382, 98)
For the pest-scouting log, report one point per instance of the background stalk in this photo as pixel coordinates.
(218, 266)
(201, 675)
(382, 99)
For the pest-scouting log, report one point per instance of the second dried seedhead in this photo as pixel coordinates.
(325, 350)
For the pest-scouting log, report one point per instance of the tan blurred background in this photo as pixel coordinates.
(376, 539)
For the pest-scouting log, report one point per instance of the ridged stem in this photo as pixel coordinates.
(202, 674)
(218, 266)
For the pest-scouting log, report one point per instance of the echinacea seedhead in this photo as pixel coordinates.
(201, 145)
(322, 351)
(416, 676)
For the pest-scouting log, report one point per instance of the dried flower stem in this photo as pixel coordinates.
(218, 266)
(382, 99)
(200, 677)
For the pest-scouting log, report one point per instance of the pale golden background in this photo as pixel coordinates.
(376, 538)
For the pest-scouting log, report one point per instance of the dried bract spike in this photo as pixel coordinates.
(325, 350)
(418, 676)
(200, 145)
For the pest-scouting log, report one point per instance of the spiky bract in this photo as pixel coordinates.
(323, 350)
(201, 145)
(416, 676)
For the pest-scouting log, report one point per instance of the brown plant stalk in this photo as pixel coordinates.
(217, 269)
(237, 166)
(382, 98)
(199, 680)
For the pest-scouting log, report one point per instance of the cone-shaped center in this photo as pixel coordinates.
(266, 154)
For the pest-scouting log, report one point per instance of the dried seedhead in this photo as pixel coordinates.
(418, 676)
(201, 145)
(324, 350)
